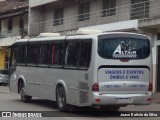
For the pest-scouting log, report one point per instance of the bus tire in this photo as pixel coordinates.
(61, 99)
(25, 98)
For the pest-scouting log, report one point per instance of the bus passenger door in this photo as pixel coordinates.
(83, 73)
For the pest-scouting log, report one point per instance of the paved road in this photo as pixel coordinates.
(11, 102)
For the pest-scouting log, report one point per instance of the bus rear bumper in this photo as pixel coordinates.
(122, 99)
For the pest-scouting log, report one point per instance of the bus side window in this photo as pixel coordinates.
(21, 54)
(71, 54)
(56, 54)
(52, 61)
(32, 54)
(14, 57)
(43, 49)
(85, 54)
(12, 60)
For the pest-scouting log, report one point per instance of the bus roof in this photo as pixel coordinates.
(70, 37)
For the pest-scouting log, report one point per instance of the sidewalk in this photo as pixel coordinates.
(156, 97)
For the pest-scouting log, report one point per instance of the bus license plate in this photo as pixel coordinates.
(123, 100)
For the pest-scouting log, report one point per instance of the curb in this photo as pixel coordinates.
(157, 101)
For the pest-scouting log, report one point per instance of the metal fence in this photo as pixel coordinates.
(141, 10)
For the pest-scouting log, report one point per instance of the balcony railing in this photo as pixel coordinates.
(142, 10)
(13, 33)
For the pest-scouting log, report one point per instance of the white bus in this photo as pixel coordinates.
(109, 70)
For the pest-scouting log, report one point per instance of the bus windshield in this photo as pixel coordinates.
(123, 48)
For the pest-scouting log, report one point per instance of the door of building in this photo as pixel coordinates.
(158, 71)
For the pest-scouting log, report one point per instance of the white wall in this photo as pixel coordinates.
(33, 3)
(118, 26)
(4, 24)
(71, 12)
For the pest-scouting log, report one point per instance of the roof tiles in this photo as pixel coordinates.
(7, 6)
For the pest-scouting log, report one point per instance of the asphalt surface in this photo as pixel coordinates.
(12, 102)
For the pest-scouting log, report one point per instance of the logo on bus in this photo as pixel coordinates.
(125, 50)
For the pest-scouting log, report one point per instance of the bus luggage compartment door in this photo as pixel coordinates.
(123, 80)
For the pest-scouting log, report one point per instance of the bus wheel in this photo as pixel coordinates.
(61, 99)
(25, 98)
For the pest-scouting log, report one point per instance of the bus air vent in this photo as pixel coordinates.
(88, 32)
(49, 35)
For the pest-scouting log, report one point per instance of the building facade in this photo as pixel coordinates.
(13, 25)
(67, 16)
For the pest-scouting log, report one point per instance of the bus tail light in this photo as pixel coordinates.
(98, 100)
(150, 87)
(149, 99)
(95, 87)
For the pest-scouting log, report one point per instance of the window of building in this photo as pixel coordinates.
(21, 25)
(58, 16)
(109, 8)
(21, 54)
(21, 22)
(139, 9)
(57, 52)
(71, 56)
(10, 25)
(158, 36)
(85, 54)
(84, 9)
